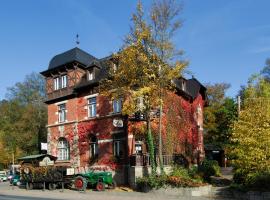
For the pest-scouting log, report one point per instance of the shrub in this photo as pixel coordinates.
(209, 168)
(176, 181)
(239, 176)
(258, 181)
(179, 171)
(150, 182)
(179, 177)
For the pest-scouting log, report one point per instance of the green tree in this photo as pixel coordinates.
(219, 115)
(266, 70)
(137, 77)
(23, 116)
(10, 116)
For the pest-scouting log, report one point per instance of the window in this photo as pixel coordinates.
(63, 149)
(92, 107)
(64, 81)
(62, 112)
(117, 105)
(56, 83)
(116, 150)
(118, 145)
(93, 147)
(90, 75)
(183, 85)
(60, 82)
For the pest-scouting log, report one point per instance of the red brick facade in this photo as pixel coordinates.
(96, 140)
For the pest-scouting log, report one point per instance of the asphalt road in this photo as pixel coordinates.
(8, 192)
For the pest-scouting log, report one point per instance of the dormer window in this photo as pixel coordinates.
(183, 86)
(91, 75)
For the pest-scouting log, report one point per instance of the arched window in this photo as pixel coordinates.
(93, 147)
(63, 149)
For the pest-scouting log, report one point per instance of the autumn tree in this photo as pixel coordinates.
(137, 78)
(251, 132)
(164, 23)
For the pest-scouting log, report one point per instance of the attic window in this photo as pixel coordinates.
(60, 82)
(183, 86)
(91, 75)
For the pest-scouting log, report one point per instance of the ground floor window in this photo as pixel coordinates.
(63, 149)
(118, 145)
(93, 147)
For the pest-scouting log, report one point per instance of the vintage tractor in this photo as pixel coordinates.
(94, 179)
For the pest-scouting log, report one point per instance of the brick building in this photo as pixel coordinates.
(86, 129)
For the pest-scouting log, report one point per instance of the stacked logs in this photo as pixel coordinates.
(41, 174)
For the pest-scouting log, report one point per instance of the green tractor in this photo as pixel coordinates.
(97, 180)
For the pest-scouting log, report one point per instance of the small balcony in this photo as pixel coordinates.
(59, 93)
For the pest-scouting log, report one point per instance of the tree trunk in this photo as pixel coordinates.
(160, 140)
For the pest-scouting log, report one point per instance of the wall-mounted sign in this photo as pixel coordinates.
(118, 123)
(70, 171)
(44, 146)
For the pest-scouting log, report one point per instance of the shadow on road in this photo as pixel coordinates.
(15, 197)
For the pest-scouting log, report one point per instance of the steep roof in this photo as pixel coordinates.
(192, 87)
(71, 55)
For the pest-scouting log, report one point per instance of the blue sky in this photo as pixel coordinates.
(224, 40)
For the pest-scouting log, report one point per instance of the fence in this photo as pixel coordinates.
(144, 160)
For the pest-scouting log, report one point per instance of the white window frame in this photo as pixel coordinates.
(64, 81)
(91, 75)
(117, 105)
(183, 86)
(62, 113)
(62, 149)
(60, 82)
(92, 107)
(56, 83)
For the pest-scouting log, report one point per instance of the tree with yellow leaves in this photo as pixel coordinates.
(138, 74)
(251, 132)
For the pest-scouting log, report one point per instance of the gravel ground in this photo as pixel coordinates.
(13, 192)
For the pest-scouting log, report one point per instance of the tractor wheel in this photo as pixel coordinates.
(52, 186)
(80, 183)
(29, 186)
(113, 185)
(100, 186)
